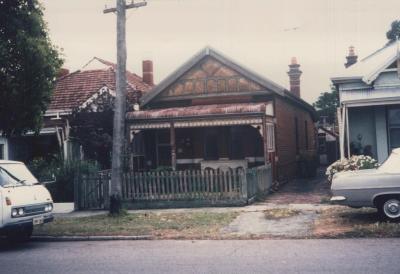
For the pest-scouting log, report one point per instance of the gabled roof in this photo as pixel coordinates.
(369, 68)
(75, 88)
(208, 51)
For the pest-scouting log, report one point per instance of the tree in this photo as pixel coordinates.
(29, 63)
(394, 31)
(327, 104)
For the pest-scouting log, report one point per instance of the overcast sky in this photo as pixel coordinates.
(261, 35)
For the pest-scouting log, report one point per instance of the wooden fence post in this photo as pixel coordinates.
(76, 193)
(243, 184)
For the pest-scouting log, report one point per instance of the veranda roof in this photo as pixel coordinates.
(201, 115)
(199, 110)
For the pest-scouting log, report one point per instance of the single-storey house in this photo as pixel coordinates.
(369, 114)
(82, 101)
(212, 113)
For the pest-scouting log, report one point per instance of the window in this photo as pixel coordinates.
(271, 137)
(1, 151)
(394, 128)
(306, 133)
(296, 134)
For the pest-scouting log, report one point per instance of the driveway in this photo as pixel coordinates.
(302, 191)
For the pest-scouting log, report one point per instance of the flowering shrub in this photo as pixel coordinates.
(356, 162)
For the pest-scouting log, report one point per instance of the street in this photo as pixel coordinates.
(253, 256)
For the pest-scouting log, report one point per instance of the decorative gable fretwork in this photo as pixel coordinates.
(210, 77)
(100, 101)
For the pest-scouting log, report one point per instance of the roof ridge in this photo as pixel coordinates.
(377, 51)
(105, 62)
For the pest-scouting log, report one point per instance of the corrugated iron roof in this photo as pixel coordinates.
(198, 111)
(368, 68)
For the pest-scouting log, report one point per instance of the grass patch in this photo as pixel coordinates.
(341, 222)
(164, 225)
(280, 213)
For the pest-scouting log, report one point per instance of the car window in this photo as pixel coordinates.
(6, 179)
(19, 172)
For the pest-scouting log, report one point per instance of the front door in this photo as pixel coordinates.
(163, 148)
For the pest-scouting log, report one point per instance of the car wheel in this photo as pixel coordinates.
(22, 235)
(390, 209)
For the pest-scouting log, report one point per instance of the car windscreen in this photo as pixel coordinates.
(16, 174)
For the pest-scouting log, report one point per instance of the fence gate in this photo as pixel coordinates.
(91, 191)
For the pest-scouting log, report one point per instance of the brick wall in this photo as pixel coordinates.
(286, 114)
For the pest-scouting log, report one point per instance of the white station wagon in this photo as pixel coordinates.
(24, 201)
(378, 188)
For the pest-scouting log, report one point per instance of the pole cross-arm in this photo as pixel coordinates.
(127, 6)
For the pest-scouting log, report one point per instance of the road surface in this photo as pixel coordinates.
(257, 256)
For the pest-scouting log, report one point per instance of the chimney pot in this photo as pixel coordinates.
(147, 70)
(294, 77)
(351, 58)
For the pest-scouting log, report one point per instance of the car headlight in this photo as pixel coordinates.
(21, 211)
(48, 207)
(14, 212)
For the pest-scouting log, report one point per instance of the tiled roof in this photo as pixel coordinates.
(75, 88)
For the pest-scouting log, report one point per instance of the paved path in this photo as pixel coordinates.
(249, 208)
(271, 256)
(302, 191)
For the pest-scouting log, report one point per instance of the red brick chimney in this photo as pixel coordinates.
(62, 72)
(147, 70)
(351, 58)
(294, 77)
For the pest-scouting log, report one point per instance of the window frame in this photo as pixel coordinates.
(390, 127)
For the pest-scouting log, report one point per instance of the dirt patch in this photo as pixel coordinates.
(280, 213)
(341, 222)
(256, 225)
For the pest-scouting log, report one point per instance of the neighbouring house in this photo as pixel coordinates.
(369, 114)
(212, 113)
(328, 145)
(78, 121)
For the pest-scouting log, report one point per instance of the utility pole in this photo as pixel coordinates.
(120, 105)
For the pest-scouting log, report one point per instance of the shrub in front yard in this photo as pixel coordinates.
(355, 162)
(65, 172)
